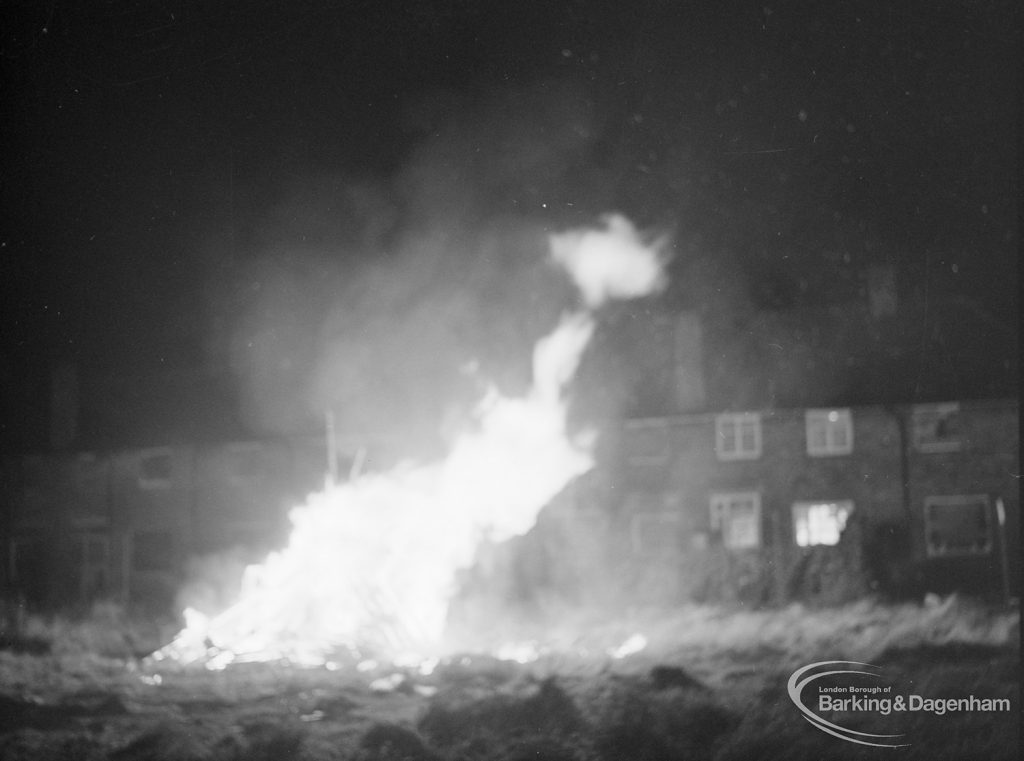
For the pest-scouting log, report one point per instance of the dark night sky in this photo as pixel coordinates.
(158, 154)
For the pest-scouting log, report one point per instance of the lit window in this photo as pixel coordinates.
(936, 427)
(958, 525)
(829, 432)
(737, 515)
(820, 522)
(738, 436)
(155, 469)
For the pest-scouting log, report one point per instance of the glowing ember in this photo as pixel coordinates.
(371, 564)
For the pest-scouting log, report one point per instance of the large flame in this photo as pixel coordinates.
(370, 566)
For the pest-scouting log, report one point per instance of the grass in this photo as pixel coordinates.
(102, 629)
(710, 685)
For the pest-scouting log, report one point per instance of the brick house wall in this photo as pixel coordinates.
(152, 520)
(126, 524)
(31, 497)
(670, 477)
(964, 460)
(670, 513)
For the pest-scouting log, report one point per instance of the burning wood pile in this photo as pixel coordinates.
(371, 564)
(710, 683)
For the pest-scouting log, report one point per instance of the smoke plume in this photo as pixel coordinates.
(392, 301)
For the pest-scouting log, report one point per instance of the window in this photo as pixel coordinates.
(655, 533)
(654, 523)
(829, 432)
(737, 515)
(958, 525)
(820, 523)
(936, 427)
(155, 469)
(738, 436)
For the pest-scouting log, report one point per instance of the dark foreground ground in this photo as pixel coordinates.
(711, 684)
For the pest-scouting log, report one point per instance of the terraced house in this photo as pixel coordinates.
(824, 503)
(790, 454)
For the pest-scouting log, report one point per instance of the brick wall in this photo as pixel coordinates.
(124, 524)
(667, 473)
(978, 457)
(641, 527)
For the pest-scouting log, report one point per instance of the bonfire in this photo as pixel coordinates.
(371, 564)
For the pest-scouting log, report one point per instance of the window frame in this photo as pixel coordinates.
(833, 419)
(920, 416)
(949, 500)
(720, 506)
(736, 421)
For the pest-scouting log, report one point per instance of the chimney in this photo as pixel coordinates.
(688, 379)
(63, 405)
